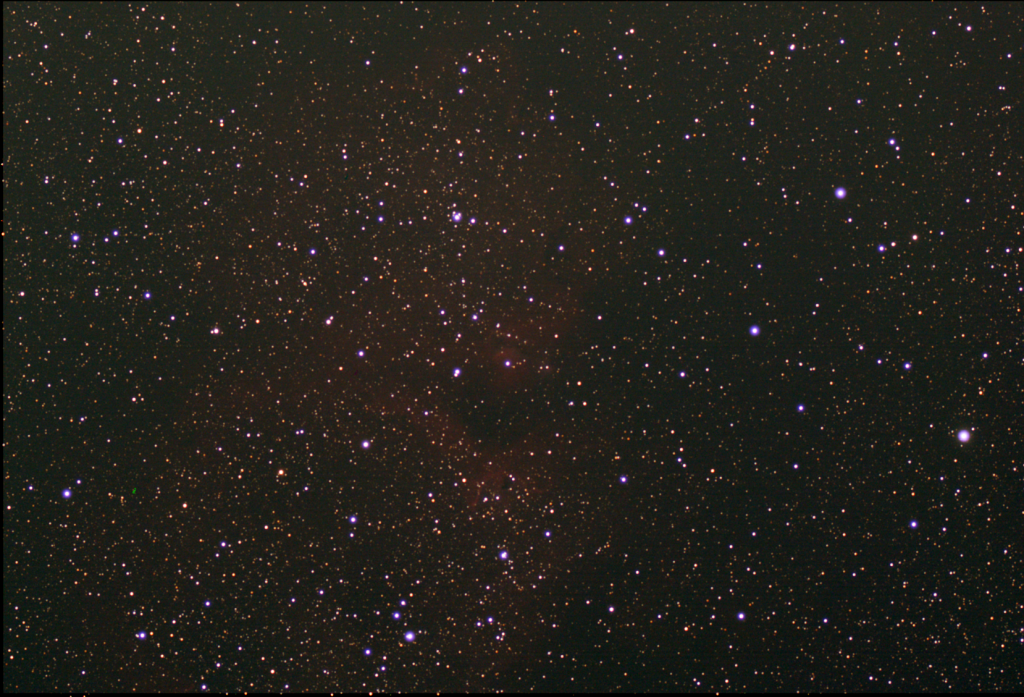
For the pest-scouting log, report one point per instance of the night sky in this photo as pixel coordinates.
(494, 347)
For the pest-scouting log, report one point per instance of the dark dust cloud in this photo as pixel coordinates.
(537, 347)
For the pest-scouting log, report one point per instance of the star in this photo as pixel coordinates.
(252, 436)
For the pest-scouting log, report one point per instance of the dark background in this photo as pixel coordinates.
(236, 296)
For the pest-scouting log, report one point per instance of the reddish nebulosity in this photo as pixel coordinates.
(497, 445)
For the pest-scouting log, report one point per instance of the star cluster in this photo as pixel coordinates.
(501, 347)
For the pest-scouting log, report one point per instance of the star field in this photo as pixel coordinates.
(491, 347)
